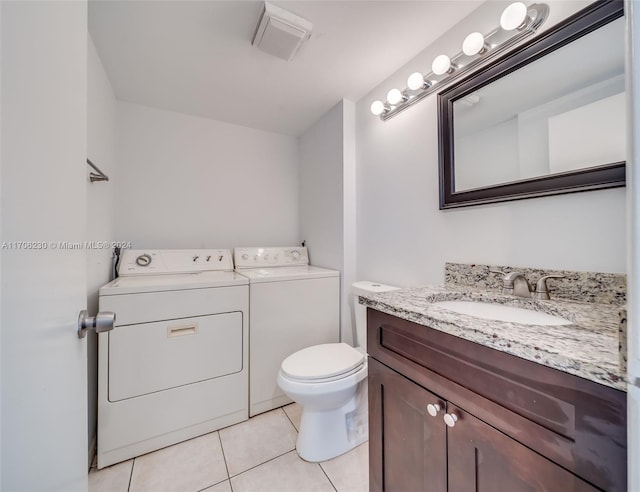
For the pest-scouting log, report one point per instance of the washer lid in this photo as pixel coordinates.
(280, 274)
(322, 361)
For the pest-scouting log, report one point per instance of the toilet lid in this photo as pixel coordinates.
(322, 361)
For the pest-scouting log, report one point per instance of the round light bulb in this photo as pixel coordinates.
(416, 81)
(513, 16)
(394, 96)
(377, 108)
(473, 44)
(441, 65)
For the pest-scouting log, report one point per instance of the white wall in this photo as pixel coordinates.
(327, 199)
(321, 189)
(191, 182)
(404, 239)
(101, 149)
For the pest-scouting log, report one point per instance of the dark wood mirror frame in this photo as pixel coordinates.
(611, 175)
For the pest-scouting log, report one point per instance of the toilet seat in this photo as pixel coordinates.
(322, 363)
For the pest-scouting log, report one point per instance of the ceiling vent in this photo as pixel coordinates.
(280, 32)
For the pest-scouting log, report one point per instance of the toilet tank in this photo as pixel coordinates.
(361, 288)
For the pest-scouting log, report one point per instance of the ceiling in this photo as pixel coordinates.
(196, 57)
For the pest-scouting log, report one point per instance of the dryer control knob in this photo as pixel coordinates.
(245, 256)
(295, 255)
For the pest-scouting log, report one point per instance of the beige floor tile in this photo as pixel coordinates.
(113, 478)
(257, 440)
(350, 471)
(287, 473)
(221, 487)
(187, 466)
(294, 412)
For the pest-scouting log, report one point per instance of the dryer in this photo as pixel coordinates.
(292, 305)
(175, 366)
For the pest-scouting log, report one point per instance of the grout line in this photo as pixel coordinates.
(224, 457)
(133, 463)
(287, 415)
(260, 464)
(325, 474)
(214, 484)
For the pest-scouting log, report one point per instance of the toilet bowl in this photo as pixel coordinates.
(329, 382)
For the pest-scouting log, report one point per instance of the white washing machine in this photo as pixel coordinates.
(292, 305)
(175, 366)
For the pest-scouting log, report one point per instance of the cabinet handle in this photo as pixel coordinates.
(450, 419)
(433, 409)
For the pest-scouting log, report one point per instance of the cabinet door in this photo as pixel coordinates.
(483, 459)
(407, 446)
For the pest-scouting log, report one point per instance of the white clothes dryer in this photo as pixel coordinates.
(292, 305)
(175, 366)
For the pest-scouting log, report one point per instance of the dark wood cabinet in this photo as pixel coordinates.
(484, 459)
(515, 428)
(409, 445)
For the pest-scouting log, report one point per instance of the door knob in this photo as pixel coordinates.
(102, 321)
(433, 409)
(450, 419)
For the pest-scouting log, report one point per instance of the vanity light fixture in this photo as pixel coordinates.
(514, 17)
(416, 82)
(378, 107)
(474, 44)
(443, 64)
(394, 96)
(516, 23)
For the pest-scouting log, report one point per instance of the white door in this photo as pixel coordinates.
(43, 151)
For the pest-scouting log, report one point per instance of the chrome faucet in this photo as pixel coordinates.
(542, 291)
(516, 284)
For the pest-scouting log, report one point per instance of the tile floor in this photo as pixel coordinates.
(257, 455)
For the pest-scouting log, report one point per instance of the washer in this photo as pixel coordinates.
(292, 306)
(175, 366)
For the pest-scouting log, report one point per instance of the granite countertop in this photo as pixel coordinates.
(588, 347)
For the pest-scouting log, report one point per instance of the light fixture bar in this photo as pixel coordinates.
(495, 43)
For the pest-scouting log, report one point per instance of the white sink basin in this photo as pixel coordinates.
(500, 312)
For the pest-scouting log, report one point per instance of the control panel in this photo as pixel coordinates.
(169, 261)
(270, 257)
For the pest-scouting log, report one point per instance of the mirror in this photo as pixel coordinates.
(547, 118)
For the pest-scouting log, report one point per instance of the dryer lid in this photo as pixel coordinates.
(322, 361)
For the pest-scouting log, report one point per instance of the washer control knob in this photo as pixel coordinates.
(295, 255)
(143, 260)
(245, 256)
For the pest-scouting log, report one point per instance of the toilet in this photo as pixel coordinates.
(329, 382)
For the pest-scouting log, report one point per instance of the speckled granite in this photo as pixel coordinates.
(587, 348)
(622, 337)
(602, 288)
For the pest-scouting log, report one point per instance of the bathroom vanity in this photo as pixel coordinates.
(458, 403)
